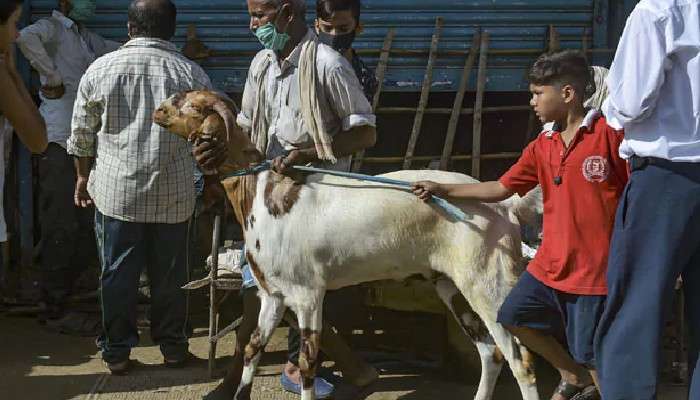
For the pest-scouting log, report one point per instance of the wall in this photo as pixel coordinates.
(512, 24)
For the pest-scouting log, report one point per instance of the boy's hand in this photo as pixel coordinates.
(425, 190)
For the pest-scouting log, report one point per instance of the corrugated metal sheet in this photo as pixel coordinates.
(512, 24)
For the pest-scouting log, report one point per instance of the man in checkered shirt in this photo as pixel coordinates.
(140, 179)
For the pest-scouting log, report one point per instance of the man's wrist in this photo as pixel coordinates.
(54, 80)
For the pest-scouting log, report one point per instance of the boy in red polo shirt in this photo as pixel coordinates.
(560, 298)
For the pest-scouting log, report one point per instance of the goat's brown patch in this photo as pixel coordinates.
(308, 355)
(529, 364)
(253, 347)
(257, 245)
(521, 353)
(241, 194)
(475, 328)
(259, 276)
(498, 355)
(281, 193)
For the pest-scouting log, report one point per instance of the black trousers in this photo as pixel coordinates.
(67, 232)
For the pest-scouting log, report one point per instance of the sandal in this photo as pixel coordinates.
(588, 393)
(573, 392)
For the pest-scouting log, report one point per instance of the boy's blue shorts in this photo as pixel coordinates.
(570, 318)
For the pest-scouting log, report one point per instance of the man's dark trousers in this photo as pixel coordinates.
(656, 239)
(125, 248)
(67, 240)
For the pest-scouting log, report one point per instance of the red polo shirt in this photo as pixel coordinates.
(581, 186)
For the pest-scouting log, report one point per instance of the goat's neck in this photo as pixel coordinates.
(242, 153)
(241, 190)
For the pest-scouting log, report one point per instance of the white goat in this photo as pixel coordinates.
(317, 232)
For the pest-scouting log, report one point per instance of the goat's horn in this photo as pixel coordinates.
(227, 115)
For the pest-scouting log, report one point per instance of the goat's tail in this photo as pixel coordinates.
(526, 208)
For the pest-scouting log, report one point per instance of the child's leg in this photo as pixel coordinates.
(551, 350)
(582, 314)
(534, 313)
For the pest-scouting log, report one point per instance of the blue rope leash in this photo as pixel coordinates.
(452, 210)
(255, 169)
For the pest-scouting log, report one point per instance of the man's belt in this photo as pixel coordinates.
(681, 167)
(637, 163)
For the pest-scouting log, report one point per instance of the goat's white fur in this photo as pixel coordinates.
(343, 232)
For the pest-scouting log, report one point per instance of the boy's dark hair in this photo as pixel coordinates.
(7, 7)
(326, 8)
(153, 18)
(567, 67)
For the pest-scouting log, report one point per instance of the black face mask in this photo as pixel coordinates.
(341, 43)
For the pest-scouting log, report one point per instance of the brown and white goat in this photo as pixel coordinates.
(316, 233)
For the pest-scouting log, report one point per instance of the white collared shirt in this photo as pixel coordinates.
(346, 108)
(61, 51)
(654, 81)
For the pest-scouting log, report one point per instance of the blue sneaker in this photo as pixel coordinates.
(322, 387)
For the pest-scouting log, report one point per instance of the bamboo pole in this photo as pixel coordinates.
(381, 72)
(425, 94)
(553, 43)
(478, 106)
(459, 100)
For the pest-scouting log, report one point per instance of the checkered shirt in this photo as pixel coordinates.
(141, 172)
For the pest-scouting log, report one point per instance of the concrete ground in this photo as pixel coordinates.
(37, 365)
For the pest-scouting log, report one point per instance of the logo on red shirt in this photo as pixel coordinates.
(595, 169)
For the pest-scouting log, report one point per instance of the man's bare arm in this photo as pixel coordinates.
(344, 144)
(18, 107)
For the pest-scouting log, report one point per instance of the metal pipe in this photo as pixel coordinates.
(394, 160)
(412, 52)
(447, 111)
(213, 307)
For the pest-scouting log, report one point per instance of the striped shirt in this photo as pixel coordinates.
(141, 172)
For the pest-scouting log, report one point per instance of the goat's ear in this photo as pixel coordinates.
(213, 125)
